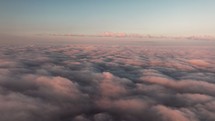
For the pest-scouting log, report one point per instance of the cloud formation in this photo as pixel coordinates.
(136, 35)
(107, 83)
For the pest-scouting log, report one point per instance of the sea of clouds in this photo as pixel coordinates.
(107, 83)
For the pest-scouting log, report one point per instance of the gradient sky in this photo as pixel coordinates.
(154, 17)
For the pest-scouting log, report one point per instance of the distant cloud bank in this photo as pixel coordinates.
(135, 35)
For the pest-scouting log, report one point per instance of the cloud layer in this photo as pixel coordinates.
(107, 83)
(136, 35)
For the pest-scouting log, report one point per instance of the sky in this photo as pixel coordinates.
(108, 17)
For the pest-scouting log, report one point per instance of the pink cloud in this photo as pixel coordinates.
(126, 105)
(195, 98)
(168, 114)
(112, 34)
(110, 87)
(199, 62)
(54, 85)
(7, 63)
(183, 85)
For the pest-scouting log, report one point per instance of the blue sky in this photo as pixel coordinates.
(154, 17)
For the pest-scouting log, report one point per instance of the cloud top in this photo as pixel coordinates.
(107, 83)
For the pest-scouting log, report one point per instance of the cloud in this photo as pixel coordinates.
(102, 117)
(168, 114)
(83, 82)
(198, 62)
(7, 63)
(183, 85)
(136, 35)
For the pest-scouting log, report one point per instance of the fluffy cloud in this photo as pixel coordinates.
(168, 114)
(198, 62)
(107, 83)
